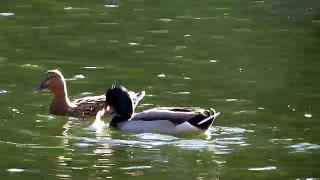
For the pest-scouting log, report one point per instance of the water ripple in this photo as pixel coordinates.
(180, 93)
(76, 77)
(135, 167)
(268, 168)
(162, 75)
(2, 91)
(92, 67)
(31, 66)
(231, 130)
(280, 141)
(308, 115)
(303, 147)
(111, 6)
(165, 19)
(206, 18)
(231, 140)
(6, 14)
(75, 8)
(245, 112)
(32, 146)
(197, 144)
(184, 17)
(152, 137)
(15, 170)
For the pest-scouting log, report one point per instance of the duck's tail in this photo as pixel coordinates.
(204, 120)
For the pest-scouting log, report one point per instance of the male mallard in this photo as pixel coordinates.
(169, 120)
(82, 107)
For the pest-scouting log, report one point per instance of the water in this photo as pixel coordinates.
(257, 62)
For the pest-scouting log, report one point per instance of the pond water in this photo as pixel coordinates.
(256, 62)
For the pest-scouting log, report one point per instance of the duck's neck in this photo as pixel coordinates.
(116, 120)
(60, 104)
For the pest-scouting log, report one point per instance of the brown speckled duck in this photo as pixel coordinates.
(79, 108)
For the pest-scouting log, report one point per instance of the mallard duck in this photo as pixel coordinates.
(168, 120)
(80, 108)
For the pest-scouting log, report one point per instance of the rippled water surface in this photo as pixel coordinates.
(257, 62)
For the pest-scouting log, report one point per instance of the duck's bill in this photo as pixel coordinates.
(39, 88)
(109, 111)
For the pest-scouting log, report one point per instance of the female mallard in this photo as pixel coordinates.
(169, 120)
(82, 107)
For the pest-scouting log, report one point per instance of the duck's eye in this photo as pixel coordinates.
(48, 78)
(46, 81)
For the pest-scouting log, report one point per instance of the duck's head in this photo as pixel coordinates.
(54, 81)
(118, 98)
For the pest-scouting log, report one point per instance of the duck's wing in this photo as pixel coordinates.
(88, 106)
(99, 101)
(89, 100)
(176, 117)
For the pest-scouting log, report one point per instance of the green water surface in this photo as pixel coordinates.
(257, 62)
